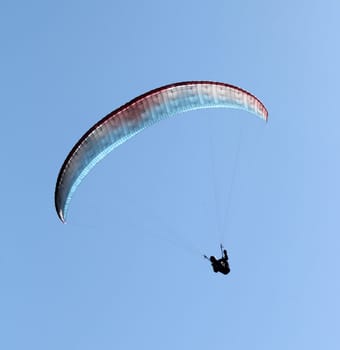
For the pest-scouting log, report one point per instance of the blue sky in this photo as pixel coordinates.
(126, 271)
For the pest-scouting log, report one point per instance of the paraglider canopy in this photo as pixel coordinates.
(138, 114)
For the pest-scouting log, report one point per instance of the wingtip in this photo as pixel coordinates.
(61, 217)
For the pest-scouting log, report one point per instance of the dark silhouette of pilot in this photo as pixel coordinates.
(220, 265)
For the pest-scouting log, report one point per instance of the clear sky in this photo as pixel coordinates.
(126, 271)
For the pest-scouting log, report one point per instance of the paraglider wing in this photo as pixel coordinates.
(138, 114)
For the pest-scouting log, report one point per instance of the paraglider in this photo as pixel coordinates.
(220, 265)
(138, 114)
